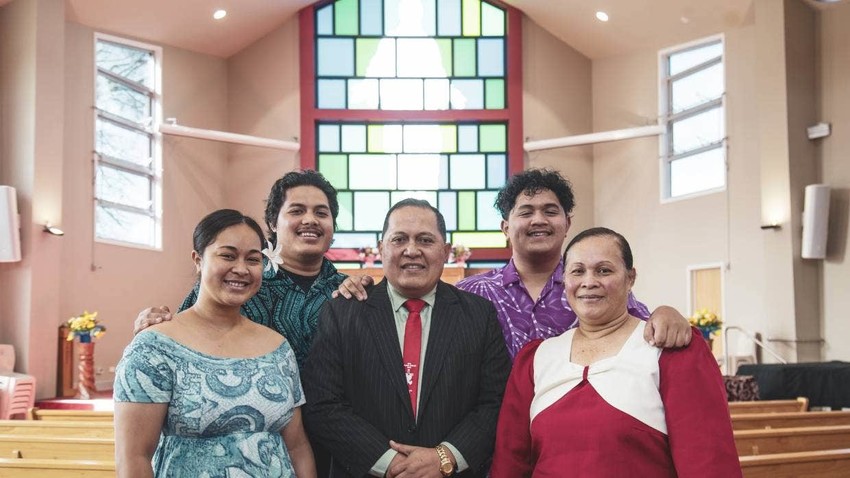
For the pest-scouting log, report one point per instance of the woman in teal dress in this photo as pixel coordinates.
(213, 394)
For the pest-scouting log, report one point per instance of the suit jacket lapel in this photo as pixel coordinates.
(381, 322)
(445, 326)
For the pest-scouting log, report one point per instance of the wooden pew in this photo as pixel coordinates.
(94, 429)
(752, 421)
(801, 404)
(810, 464)
(56, 448)
(35, 468)
(784, 440)
(72, 415)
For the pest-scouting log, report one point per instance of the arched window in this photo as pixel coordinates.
(413, 98)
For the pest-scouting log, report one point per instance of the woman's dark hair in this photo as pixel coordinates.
(531, 182)
(290, 180)
(211, 226)
(625, 249)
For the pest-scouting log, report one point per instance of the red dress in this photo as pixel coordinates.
(644, 413)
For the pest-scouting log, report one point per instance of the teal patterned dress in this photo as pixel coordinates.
(224, 415)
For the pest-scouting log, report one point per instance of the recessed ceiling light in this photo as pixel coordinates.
(602, 16)
(219, 14)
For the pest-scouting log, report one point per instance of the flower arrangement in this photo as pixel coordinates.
(706, 321)
(85, 326)
(369, 253)
(459, 253)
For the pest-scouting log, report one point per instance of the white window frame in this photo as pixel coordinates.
(154, 172)
(667, 119)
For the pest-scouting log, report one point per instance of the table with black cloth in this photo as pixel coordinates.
(825, 384)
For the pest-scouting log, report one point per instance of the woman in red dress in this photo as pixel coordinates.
(599, 401)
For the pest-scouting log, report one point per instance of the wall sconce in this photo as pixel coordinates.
(53, 230)
(775, 226)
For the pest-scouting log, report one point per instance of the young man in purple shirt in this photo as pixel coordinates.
(528, 292)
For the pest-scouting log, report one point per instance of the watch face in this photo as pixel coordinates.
(446, 469)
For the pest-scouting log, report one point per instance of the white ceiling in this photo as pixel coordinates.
(634, 24)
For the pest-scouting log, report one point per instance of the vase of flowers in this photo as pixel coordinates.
(459, 254)
(368, 255)
(86, 328)
(707, 322)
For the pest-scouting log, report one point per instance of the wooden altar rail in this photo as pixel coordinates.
(56, 448)
(801, 404)
(36, 413)
(37, 468)
(752, 421)
(785, 440)
(811, 464)
(82, 429)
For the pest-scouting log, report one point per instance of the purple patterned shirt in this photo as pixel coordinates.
(522, 319)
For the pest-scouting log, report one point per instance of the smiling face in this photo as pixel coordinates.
(231, 267)
(304, 226)
(537, 225)
(413, 251)
(596, 280)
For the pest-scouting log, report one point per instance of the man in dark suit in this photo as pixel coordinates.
(367, 401)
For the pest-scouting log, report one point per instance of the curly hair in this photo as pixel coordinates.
(292, 179)
(531, 182)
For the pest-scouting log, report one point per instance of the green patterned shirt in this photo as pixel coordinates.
(286, 308)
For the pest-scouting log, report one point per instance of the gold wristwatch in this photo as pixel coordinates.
(446, 467)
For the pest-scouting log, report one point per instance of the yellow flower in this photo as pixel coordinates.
(85, 324)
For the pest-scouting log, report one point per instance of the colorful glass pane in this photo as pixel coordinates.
(494, 94)
(488, 216)
(371, 17)
(335, 57)
(491, 57)
(471, 18)
(385, 138)
(331, 94)
(396, 196)
(447, 204)
(493, 138)
(329, 138)
(372, 171)
(467, 138)
(466, 210)
(492, 20)
(467, 94)
(464, 57)
(354, 138)
(345, 17)
(369, 210)
(345, 219)
(419, 171)
(410, 18)
(334, 167)
(325, 20)
(496, 170)
(448, 18)
(355, 240)
(424, 58)
(467, 171)
(376, 57)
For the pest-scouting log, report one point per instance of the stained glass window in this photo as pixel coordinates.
(411, 100)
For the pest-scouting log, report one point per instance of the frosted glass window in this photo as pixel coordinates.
(410, 18)
(430, 196)
(372, 171)
(325, 20)
(385, 138)
(497, 169)
(430, 138)
(354, 138)
(467, 94)
(424, 58)
(371, 17)
(329, 138)
(696, 131)
(467, 171)
(134, 64)
(699, 172)
(492, 20)
(331, 94)
(355, 240)
(493, 138)
(488, 216)
(436, 94)
(334, 167)
(123, 143)
(363, 94)
(376, 57)
(124, 226)
(123, 187)
(701, 87)
(491, 57)
(122, 100)
(479, 239)
(401, 94)
(680, 62)
(419, 171)
(335, 57)
(467, 138)
(448, 18)
(345, 218)
(447, 204)
(345, 17)
(370, 209)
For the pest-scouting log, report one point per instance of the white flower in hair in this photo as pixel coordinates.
(275, 261)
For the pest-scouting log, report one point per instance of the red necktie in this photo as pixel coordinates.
(412, 347)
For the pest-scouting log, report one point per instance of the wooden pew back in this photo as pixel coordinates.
(785, 440)
(93, 429)
(71, 415)
(751, 421)
(56, 448)
(35, 468)
(801, 404)
(811, 464)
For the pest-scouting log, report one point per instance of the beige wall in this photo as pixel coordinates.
(834, 75)
(557, 102)
(120, 281)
